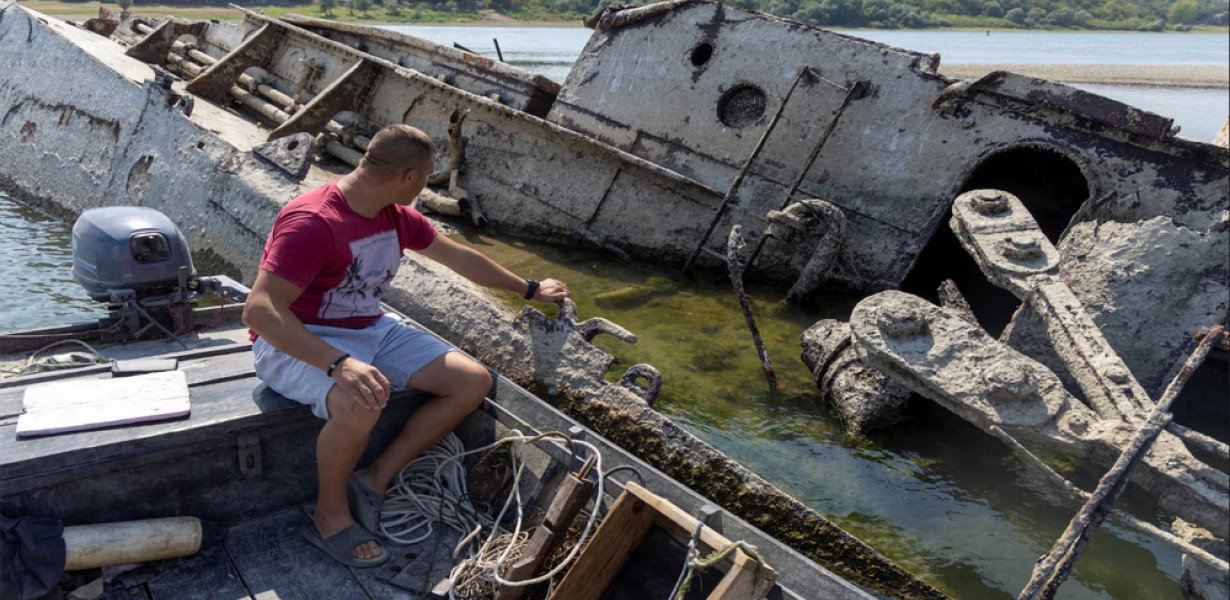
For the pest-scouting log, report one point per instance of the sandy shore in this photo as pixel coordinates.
(1189, 76)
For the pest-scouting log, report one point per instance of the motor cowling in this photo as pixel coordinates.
(128, 248)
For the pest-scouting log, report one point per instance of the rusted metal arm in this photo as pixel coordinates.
(1004, 239)
(733, 245)
(1054, 567)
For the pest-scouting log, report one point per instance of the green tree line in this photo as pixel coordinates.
(1143, 15)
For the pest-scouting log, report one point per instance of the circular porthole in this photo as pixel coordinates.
(741, 106)
(701, 54)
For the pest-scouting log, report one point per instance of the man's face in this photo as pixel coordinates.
(413, 181)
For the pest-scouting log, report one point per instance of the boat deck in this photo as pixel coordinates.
(268, 557)
(244, 463)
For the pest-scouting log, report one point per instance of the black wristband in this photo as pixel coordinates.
(335, 364)
(531, 290)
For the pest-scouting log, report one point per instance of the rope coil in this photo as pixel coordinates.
(432, 489)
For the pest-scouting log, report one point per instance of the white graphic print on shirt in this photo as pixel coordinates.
(370, 271)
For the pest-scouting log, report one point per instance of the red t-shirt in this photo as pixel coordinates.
(341, 259)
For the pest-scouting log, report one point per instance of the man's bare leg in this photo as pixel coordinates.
(338, 448)
(459, 385)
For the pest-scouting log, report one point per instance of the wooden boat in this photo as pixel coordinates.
(243, 462)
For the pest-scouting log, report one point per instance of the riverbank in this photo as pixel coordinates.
(1176, 76)
(412, 16)
(375, 16)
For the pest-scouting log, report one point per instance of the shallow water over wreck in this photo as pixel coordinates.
(945, 500)
(36, 264)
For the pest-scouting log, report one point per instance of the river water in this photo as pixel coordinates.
(950, 503)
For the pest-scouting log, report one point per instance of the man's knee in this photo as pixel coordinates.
(474, 381)
(346, 411)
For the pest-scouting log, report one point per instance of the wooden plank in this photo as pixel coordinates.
(199, 371)
(622, 531)
(742, 584)
(136, 592)
(81, 405)
(682, 525)
(571, 496)
(432, 563)
(219, 347)
(206, 575)
(276, 561)
(216, 408)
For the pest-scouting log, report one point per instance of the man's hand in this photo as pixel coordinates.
(365, 384)
(550, 290)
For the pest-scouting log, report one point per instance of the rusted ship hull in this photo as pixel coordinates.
(109, 131)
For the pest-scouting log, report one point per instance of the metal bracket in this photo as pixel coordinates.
(249, 445)
(711, 515)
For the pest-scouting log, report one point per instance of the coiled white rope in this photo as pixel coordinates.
(432, 489)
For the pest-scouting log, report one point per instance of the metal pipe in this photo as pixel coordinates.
(271, 93)
(188, 66)
(344, 153)
(192, 52)
(201, 57)
(260, 105)
(142, 28)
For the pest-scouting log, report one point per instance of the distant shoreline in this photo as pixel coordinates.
(1175, 76)
(488, 18)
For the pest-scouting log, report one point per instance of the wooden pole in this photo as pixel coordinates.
(1055, 566)
(1170, 539)
(733, 245)
(573, 494)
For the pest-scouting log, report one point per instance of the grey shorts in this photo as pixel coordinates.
(396, 349)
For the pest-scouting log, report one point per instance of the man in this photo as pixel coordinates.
(320, 337)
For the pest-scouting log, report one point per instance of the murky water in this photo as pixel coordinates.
(36, 270)
(949, 502)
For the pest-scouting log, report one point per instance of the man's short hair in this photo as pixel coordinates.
(397, 148)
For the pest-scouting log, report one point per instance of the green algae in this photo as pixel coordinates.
(946, 502)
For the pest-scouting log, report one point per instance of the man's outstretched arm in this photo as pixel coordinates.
(476, 267)
(267, 312)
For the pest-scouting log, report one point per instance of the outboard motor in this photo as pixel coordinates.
(136, 260)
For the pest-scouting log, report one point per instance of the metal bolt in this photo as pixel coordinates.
(1076, 423)
(1009, 380)
(1116, 374)
(989, 203)
(900, 322)
(1020, 248)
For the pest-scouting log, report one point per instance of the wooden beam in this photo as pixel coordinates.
(681, 525)
(620, 533)
(625, 526)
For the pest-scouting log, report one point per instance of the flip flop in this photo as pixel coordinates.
(340, 546)
(365, 504)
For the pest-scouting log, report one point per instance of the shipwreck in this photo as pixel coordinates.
(842, 161)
